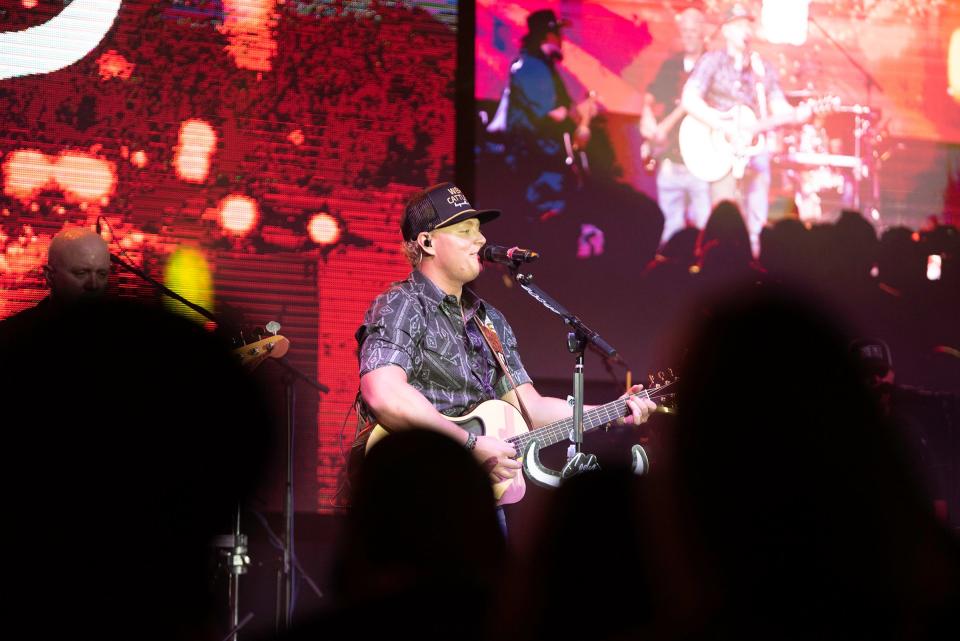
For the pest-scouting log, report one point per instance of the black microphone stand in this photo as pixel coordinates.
(861, 119)
(239, 560)
(285, 574)
(578, 340)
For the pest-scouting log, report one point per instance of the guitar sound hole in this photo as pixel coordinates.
(474, 425)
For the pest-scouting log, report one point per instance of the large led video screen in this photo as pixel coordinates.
(252, 154)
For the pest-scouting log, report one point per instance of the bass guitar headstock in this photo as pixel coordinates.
(250, 355)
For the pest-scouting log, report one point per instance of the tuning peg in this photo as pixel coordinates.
(273, 327)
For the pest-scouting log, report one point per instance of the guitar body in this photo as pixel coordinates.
(503, 421)
(491, 418)
(709, 155)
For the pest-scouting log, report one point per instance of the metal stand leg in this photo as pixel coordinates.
(234, 548)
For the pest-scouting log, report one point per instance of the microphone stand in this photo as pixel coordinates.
(285, 574)
(238, 556)
(860, 124)
(578, 340)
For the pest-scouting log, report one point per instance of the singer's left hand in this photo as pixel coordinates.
(640, 407)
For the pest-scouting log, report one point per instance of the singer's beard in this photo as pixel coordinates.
(552, 52)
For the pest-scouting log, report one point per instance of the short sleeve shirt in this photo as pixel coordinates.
(665, 89)
(722, 86)
(416, 326)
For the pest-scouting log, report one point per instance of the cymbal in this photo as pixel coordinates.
(800, 93)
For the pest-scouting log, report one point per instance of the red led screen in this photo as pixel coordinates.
(255, 152)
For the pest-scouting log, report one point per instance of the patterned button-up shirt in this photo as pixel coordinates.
(416, 326)
(722, 86)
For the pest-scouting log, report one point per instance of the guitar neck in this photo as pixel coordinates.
(675, 116)
(774, 121)
(561, 430)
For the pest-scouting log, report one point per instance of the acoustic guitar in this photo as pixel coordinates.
(710, 155)
(503, 420)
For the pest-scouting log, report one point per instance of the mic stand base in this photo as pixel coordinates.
(578, 463)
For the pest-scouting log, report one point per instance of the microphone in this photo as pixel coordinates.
(98, 225)
(507, 256)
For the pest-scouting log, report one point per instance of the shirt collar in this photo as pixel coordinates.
(436, 296)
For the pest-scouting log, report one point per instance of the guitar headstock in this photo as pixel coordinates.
(818, 107)
(589, 106)
(252, 354)
(661, 390)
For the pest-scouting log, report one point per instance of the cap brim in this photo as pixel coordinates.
(483, 215)
(735, 18)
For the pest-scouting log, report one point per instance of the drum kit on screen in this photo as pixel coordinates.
(832, 161)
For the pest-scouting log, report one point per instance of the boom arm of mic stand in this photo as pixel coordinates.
(871, 81)
(164, 289)
(594, 341)
(296, 373)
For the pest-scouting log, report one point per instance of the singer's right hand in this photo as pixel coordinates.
(497, 457)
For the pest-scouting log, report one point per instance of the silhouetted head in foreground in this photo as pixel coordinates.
(805, 515)
(138, 435)
(422, 539)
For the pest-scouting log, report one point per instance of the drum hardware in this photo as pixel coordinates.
(813, 163)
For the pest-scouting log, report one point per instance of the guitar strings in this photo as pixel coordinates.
(557, 431)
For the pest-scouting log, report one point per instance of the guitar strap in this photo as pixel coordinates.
(493, 342)
(760, 71)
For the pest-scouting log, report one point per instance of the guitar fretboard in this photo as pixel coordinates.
(557, 431)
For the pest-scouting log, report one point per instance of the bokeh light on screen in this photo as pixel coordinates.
(196, 145)
(238, 214)
(229, 127)
(114, 65)
(323, 229)
(81, 177)
(785, 21)
(84, 178)
(249, 26)
(188, 274)
(25, 173)
(139, 159)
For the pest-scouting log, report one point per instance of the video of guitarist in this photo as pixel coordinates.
(605, 130)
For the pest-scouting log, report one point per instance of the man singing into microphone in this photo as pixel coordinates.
(423, 355)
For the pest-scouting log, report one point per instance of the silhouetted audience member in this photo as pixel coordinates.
(785, 251)
(805, 517)
(855, 245)
(677, 255)
(137, 435)
(421, 551)
(851, 256)
(929, 421)
(592, 570)
(723, 250)
(901, 264)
